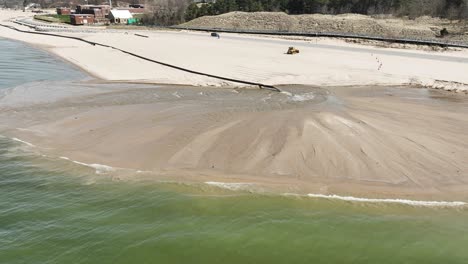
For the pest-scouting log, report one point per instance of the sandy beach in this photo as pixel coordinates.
(347, 122)
(325, 62)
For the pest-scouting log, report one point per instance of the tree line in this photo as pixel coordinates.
(453, 9)
(170, 12)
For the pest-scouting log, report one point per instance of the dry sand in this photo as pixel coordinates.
(321, 61)
(368, 141)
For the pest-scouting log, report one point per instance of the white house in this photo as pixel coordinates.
(119, 16)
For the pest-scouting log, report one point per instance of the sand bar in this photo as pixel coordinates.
(361, 141)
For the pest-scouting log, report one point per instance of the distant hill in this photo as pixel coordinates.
(453, 9)
(386, 26)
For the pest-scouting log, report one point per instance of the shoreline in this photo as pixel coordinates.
(262, 188)
(49, 50)
(258, 188)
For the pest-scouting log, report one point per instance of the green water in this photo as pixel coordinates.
(54, 211)
(20, 63)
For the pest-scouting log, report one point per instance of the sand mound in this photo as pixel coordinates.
(423, 28)
(353, 141)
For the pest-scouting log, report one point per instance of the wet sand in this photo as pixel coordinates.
(362, 141)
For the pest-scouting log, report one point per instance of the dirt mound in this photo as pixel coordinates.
(421, 28)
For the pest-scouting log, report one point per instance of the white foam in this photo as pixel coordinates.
(100, 169)
(29, 130)
(22, 141)
(64, 158)
(299, 97)
(230, 185)
(244, 186)
(143, 171)
(264, 99)
(396, 201)
(302, 97)
(176, 94)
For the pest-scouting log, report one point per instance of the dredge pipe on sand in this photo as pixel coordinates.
(260, 85)
(328, 35)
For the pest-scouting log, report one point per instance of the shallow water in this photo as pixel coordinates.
(20, 63)
(55, 211)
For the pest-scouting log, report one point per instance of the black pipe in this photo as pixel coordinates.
(328, 35)
(260, 85)
(139, 35)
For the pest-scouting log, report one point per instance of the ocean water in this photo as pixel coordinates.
(55, 211)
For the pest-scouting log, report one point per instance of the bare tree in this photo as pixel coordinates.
(417, 8)
(166, 12)
(464, 10)
(371, 11)
(464, 14)
(452, 13)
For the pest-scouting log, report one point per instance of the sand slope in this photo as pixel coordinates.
(362, 141)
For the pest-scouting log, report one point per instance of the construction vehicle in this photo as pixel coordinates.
(292, 51)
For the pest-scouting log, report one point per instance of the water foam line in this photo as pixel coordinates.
(394, 201)
(22, 141)
(243, 186)
(229, 186)
(100, 169)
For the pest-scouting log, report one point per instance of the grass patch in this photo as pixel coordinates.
(54, 18)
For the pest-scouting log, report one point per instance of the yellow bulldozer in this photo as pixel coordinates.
(292, 51)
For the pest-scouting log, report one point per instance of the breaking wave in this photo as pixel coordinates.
(247, 186)
(395, 201)
(22, 141)
(100, 169)
(230, 186)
